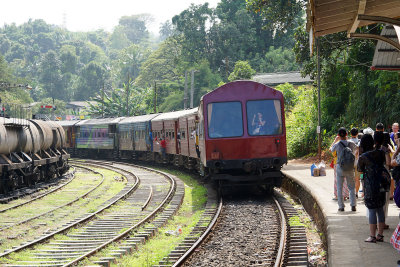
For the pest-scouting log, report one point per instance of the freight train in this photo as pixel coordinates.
(236, 135)
(30, 151)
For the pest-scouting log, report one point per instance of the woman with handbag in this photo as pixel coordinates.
(376, 183)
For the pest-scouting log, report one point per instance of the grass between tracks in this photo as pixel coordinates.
(28, 231)
(159, 246)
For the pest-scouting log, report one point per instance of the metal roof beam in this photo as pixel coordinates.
(379, 19)
(375, 37)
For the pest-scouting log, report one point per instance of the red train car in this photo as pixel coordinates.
(241, 131)
(187, 138)
(166, 126)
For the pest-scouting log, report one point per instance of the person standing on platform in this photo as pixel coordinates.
(344, 167)
(371, 164)
(355, 140)
(395, 129)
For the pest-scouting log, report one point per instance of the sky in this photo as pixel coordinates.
(88, 15)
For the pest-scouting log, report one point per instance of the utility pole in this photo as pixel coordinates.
(192, 89)
(155, 97)
(102, 101)
(127, 96)
(319, 100)
(185, 97)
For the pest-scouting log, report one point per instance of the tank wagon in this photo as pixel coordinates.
(30, 151)
(236, 135)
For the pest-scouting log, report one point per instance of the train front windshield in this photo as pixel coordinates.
(264, 117)
(225, 119)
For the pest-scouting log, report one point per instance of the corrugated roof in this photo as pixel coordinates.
(175, 114)
(386, 57)
(138, 118)
(273, 79)
(100, 121)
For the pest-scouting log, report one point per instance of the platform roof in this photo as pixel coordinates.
(331, 16)
(386, 57)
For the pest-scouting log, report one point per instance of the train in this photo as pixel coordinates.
(237, 135)
(30, 151)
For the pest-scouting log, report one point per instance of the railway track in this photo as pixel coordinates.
(24, 224)
(238, 235)
(13, 224)
(111, 224)
(18, 194)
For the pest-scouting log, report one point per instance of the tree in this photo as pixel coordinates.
(242, 71)
(90, 80)
(134, 27)
(192, 23)
(282, 14)
(115, 103)
(69, 59)
(118, 40)
(166, 30)
(128, 63)
(50, 75)
(163, 64)
(279, 59)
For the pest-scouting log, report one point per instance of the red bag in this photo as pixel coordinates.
(332, 164)
(395, 239)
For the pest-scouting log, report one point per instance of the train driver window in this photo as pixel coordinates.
(264, 117)
(225, 119)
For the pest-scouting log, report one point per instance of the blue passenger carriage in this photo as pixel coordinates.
(135, 137)
(97, 138)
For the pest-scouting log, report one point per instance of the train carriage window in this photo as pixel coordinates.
(225, 119)
(264, 117)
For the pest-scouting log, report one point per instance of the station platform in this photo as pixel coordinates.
(346, 231)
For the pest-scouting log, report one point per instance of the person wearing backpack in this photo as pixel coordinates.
(376, 183)
(344, 167)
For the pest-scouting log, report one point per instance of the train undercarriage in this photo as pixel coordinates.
(18, 169)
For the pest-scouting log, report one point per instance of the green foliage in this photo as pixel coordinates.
(290, 95)
(59, 104)
(279, 60)
(134, 27)
(126, 101)
(242, 71)
(301, 123)
(172, 102)
(282, 13)
(90, 81)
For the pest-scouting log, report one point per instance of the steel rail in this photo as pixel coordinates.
(62, 206)
(41, 196)
(148, 199)
(128, 231)
(85, 219)
(210, 227)
(282, 244)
